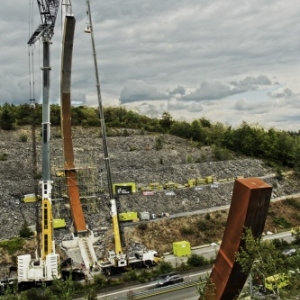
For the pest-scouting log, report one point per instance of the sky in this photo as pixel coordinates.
(225, 60)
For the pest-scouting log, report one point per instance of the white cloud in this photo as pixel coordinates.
(157, 50)
(137, 90)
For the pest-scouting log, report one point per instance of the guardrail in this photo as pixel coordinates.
(161, 290)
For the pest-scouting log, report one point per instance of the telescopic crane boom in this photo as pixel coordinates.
(44, 268)
(117, 258)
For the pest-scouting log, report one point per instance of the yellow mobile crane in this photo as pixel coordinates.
(116, 259)
(44, 267)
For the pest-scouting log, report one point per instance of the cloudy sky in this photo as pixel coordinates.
(226, 60)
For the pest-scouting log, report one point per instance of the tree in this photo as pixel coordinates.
(166, 121)
(7, 119)
(197, 261)
(25, 231)
(165, 267)
(262, 260)
(62, 290)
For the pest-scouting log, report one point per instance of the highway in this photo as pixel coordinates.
(184, 294)
(207, 251)
(180, 293)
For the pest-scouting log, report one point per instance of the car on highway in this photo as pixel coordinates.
(169, 280)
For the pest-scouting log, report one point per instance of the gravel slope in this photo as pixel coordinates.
(133, 158)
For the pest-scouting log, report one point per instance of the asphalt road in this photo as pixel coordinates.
(186, 293)
(181, 294)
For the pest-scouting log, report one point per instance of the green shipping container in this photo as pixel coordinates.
(182, 248)
(201, 181)
(59, 223)
(128, 216)
(209, 179)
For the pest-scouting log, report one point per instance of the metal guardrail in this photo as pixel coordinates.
(161, 290)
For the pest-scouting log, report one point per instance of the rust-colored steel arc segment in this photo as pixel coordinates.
(248, 209)
(70, 172)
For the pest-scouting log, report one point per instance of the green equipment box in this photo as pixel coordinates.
(182, 248)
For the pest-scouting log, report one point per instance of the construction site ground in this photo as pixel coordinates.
(134, 157)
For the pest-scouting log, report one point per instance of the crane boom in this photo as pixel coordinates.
(117, 235)
(48, 13)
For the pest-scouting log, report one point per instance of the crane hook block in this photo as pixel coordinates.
(87, 29)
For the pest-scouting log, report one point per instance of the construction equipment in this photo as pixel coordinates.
(116, 260)
(44, 267)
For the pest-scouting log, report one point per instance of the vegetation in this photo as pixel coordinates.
(197, 261)
(25, 231)
(3, 156)
(263, 259)
(13, 245)
(279, 148)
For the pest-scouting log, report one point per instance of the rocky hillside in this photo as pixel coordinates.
(134, 157)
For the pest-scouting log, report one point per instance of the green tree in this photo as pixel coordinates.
(25, 232)
(181, 129)
(165, 267)
(61, 290)
(166, 121)
(197, 261)
(7, 119)
(262, 259)
(197, 131)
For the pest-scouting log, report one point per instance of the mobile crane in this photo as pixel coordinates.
(44, 267)
(116, 260)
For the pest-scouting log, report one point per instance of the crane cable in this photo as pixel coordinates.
(31, 55)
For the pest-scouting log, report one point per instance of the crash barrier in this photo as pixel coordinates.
(161, 290)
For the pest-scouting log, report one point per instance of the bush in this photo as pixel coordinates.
(293, 202)
(187, 229)
(99, 280)
(280, 243)
(3, 156)
(189, 159)
(158, 144)
(125, 132)
(282, 222)
(23, 138)
(142, 226)
(25, 232)
(207, 217)
(13, 245)
(204, 224)
(165, 267)
(197, 261)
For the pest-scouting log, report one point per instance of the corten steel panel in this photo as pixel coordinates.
(70, 172)
(248, 209)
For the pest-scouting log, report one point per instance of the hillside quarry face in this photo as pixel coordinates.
(133, 158)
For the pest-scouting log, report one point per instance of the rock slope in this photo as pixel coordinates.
(134, 158)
